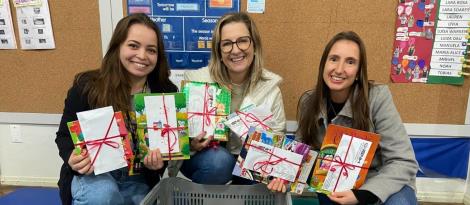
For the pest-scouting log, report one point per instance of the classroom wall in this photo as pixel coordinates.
(35, 161)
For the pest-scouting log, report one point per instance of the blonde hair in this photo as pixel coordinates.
(217, 68)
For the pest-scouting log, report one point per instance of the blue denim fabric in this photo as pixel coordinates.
(114, 187)
(209, 166)
(406, 196)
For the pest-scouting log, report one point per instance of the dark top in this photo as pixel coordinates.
(363, 196)
(77, 101)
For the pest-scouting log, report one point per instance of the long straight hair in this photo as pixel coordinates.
(110, 85)
(218, 70)
(310, 105)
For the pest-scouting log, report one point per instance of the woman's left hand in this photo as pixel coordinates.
(153, 160)
(344, 197)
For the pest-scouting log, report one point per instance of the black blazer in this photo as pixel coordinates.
(77, 101)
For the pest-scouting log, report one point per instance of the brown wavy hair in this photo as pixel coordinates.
(310, 105)
(110, 84)
(218, 70)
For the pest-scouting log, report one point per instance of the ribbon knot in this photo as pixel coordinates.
(99, 142)
(342, 165)
(251, 118)
(166, 130)
(263, 165)
(206, 112)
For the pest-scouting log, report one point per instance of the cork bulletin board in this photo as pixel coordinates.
(293, 35)
(36, 81)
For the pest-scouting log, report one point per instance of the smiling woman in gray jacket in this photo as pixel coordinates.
(344, 96)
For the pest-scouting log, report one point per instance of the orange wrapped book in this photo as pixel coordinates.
(344, 159)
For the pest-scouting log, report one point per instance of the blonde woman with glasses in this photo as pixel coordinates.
(236, 63)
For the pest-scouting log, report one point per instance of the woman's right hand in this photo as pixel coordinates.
(81, 163)
(199, 143)
(277, 185)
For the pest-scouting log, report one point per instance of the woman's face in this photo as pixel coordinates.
(341, 68)
(236, 48)
(138, 53)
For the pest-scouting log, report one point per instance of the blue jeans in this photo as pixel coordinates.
(114, 187)
(209, 166)
(406, 196)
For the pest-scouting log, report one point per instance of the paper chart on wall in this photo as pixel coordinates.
(186, 27)
(413, 41)
(7, 34)
(255, 6)
(450, 44)
(34, 25)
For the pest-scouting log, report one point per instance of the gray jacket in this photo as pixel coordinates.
(394, 164)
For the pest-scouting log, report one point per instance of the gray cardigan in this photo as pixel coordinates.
(394, 164)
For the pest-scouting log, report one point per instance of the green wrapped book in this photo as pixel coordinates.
(162, 122)
(208, 106)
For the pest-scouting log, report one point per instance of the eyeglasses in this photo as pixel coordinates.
(243, 43)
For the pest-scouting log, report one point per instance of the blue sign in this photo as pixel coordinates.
(187, 26)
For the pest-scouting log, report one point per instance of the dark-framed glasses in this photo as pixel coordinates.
(243, 43)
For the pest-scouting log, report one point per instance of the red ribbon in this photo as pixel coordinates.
(263, 165)
(206, 112)
(167, 129)
(250, 118)
(344, 167)
(99, 142)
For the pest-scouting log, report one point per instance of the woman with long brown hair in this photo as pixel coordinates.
(345, 96)
(134, 63)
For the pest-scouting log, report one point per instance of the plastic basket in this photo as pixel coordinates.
(177, 191)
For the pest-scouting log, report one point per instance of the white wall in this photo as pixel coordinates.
(34, 161)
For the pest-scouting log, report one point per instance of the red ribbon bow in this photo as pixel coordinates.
(263, 165)
(251, 118)
(167, 129)
(344, 167)
(91, 144)
(206, 112)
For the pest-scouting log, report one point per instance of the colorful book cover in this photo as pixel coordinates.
(344, 159)
(309, 157)
(80, 144)
(258, 136)
(208, 106)
(181, 128)
(279, 142)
